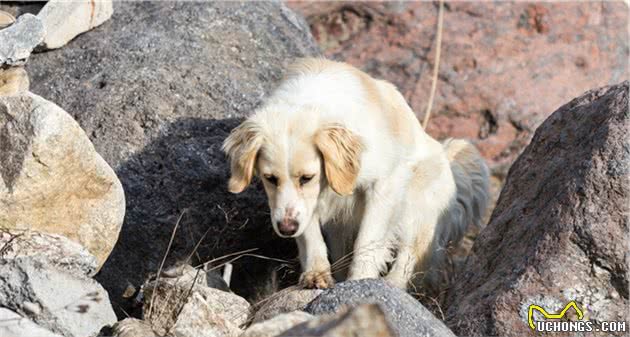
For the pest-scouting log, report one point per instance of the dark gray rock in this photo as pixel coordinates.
(406, 315)
(148, 87)
(559, 232)
(18, 40)
(67, 304)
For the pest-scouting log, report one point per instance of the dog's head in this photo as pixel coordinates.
(296, 164)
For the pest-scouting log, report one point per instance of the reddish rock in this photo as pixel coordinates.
(559, 232)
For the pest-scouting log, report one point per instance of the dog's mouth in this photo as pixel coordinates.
(286, 236)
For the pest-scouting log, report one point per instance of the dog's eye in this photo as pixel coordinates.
(272, 179)
(305, 179)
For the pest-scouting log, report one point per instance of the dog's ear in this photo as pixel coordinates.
(341, 149)
(242, 146)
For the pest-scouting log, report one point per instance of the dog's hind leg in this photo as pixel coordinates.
(429, 194)
(372, 249)
(416, 236)
(373, 245)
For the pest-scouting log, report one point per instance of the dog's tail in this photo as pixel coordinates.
(471, 176)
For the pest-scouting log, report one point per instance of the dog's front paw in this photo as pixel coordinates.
(317, 279)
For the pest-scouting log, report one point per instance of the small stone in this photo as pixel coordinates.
(129, 292)
(277, 324)
(6, 19)
(19, 39)
(13, 80)
(31, 308)
(64, 20)
(284, 301)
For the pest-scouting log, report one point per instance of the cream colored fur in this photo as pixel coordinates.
(342, 156)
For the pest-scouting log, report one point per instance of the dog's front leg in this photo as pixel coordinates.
(314, 258)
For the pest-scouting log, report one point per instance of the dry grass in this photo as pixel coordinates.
(168, 250)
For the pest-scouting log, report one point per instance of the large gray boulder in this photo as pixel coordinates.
(408, 318)
(559, 232)
(148, 86)
(68, 304)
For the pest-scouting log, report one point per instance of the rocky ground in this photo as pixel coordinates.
(110, 132)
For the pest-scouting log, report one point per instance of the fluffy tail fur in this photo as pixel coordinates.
(471, 176)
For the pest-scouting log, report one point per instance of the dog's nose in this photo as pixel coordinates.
(287, 227)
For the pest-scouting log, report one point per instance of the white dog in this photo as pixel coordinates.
(342, 156)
